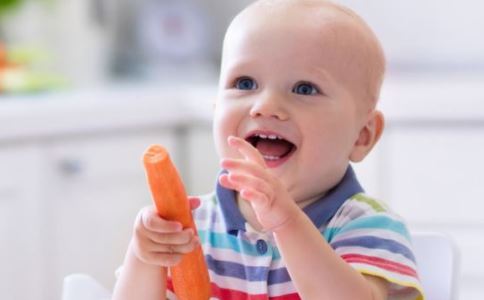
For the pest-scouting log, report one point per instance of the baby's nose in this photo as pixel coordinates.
(270, 106)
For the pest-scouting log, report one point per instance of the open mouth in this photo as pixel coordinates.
(274, 148)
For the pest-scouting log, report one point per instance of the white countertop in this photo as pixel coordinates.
(404, 99)
(60, 113)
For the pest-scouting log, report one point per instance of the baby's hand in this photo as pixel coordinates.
(157, 241)
(269, 198)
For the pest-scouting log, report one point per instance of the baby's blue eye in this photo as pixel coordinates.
(245, 83)
(305, 88)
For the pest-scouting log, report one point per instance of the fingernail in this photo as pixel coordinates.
(232, 140)
(220, 178)
(178, 227)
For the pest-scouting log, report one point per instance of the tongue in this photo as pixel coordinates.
(276, 148)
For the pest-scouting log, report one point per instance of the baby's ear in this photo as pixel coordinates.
(368, 137)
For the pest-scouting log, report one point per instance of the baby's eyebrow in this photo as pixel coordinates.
(240, 66)
(322, 74)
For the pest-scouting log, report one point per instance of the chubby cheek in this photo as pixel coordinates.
(324, 154)
(224, 125)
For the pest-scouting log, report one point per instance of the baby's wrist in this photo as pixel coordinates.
(289, 222)
(281, 226)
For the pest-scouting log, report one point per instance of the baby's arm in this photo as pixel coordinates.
(156, 244)
(315, 269)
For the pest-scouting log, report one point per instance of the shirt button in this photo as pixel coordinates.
(261, 246)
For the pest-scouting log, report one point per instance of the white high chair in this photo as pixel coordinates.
(438, 265)
(83, 287)
(436, 254)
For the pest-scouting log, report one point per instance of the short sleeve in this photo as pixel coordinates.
(376, 242)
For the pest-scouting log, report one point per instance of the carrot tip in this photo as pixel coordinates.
(155, 153)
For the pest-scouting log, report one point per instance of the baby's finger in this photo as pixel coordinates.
(194, 202)
(178, 238)
(187, 248)
(177, 249)
(256, 170)
(153, 222)
(225, 182)
(259, 201)
(243, 182)
(247, 150)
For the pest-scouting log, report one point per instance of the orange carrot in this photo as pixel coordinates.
(3, 64)
(190, 276)
(3, 56)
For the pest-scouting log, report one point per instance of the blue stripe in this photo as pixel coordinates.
(247, 273)
(229, 241)
(279, 276)
(232, 269)
(379, 221)
(372, 242)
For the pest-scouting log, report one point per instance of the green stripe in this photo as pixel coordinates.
(370, 201)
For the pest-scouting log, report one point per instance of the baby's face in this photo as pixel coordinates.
(287, 88)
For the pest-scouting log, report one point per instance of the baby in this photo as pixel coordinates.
(298, 89)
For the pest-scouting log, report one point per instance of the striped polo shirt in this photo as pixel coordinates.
(245, 263)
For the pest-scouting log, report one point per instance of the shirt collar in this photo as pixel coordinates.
(320, 211)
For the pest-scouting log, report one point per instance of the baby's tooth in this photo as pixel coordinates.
(272, 136)
(263, 136)
(270, 157)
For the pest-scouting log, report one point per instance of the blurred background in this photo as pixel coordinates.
(87, 85)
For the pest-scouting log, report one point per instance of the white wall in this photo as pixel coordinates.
(431, 33)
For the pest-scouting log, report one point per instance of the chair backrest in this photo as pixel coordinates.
(438, 264)
(83, 287)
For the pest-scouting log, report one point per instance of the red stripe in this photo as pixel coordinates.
(380, 262)
(294, 296)
(222, 293)
(169, 284)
